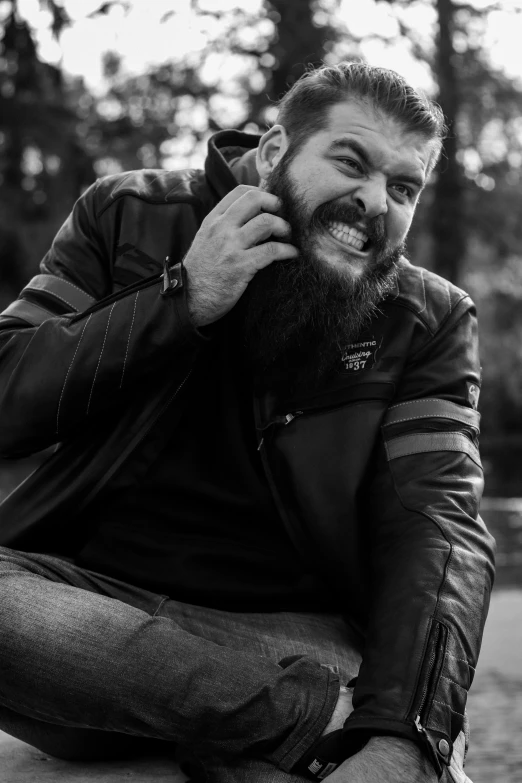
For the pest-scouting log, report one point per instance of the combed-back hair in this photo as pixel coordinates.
(303, 111)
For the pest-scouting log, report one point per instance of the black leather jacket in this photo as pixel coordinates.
(377, 477)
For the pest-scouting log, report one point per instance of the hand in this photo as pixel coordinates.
(226, 252)
(386, 760)
(343, 708)
(456, 771)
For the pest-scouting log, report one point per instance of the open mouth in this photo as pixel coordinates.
(349, 236)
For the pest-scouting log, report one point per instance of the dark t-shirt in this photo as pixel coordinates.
(202, 526)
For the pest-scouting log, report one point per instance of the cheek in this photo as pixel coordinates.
(398, 225)
(310, 183)
(310, 190)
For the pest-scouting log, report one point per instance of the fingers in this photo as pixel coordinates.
(231, 197)
(262, 227)
(265, 254)
(249, 204)
(259, 199)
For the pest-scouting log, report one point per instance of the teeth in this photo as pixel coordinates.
(348, 234)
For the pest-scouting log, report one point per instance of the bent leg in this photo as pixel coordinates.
(75, 744)
(245, 770)
(77, 658)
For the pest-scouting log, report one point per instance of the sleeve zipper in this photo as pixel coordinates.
(430, 671)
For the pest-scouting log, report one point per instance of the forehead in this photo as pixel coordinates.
(389, 143)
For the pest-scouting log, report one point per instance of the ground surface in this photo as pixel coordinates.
(495, 707)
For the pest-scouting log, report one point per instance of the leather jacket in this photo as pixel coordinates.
(376, 476)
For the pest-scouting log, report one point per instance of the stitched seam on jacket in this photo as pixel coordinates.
(427, 399)
(134, 194)
(431, 416)
(462, 660)
(52, 293)
(67, 374)
(26, 303)
(443, 677)
(428, 442)
(429, 451)
(436, 701)
(422, 401)
(75, 286)
(415, 402)
(423, 291)
(111, 198)
(441, 325)
(406, 305)
(99, 359)
(64, 280)
(128, 339)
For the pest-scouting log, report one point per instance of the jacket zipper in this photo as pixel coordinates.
(417, 721)
(289, 417)
(283, 420)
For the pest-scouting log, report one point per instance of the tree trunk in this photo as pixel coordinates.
(448, 223)
(298, 43)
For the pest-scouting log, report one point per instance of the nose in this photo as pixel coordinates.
(371, 198)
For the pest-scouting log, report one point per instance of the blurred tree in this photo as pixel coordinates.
(42, 163)
(165, 116)
(474, 96)
(55, 136)
(448, 222)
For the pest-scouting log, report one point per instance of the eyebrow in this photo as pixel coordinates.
(338, 145)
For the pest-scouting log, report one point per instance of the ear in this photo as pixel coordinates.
(272, 146)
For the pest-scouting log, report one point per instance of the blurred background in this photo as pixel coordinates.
(90, 88)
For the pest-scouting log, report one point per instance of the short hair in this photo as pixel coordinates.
(303, 111)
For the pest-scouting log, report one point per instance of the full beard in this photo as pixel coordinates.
(299, 315)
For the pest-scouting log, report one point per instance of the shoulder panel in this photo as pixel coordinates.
(156, 186)
(429, 296)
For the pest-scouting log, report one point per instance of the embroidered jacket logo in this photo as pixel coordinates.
(358, 356)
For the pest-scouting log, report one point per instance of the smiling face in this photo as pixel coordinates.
(357, 183)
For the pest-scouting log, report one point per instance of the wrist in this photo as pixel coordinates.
(342, 709)
(403, 755)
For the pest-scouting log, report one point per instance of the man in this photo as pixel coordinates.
(267, 472)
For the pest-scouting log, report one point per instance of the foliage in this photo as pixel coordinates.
(43, 164)
(56, 137)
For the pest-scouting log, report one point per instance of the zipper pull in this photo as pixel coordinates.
(418, 725)
(290, 417)
(167, 279)
(172, 277)
(284, 420)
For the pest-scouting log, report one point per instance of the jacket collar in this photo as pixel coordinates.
(224, 148)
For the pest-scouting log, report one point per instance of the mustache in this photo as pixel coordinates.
(374, 228)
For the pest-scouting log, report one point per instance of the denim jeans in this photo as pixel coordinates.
(91, 667)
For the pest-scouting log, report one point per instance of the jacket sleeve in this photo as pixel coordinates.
(69, 349)
(431, 555)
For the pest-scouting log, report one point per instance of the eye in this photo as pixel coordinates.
(351, 163)
(403, 190)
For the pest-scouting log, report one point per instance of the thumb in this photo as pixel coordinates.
(456, 767)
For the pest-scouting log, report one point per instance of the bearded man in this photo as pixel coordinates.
(258, 538)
